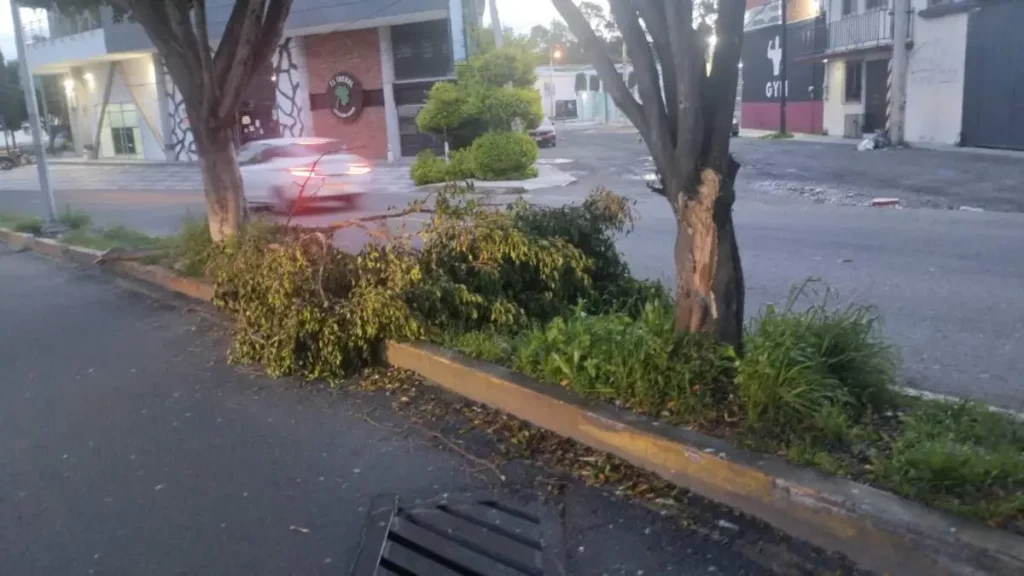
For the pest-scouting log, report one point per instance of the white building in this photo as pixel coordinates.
(576, 92)
(122, 103)
(964, 77)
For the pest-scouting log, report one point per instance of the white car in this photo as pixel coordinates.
(278, 171)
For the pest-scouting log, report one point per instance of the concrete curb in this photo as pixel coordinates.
(152, 274)
(877, 530)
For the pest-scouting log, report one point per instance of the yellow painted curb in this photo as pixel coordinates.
(877, 530)
(156, 275)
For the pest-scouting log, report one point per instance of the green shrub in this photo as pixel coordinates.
(32, 226)
(74, 219)
(303, 307)
(802, 363)
(642, 363)
(431, 169)
(428, 169)
(117, 236)
(960, 457)
(443, 111)
(498, 108)
(192, 247)
(460, 165)
(503, 155)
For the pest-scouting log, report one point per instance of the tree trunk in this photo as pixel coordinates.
(222, 182)
(709, 277)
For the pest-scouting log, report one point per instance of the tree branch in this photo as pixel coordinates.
(273, 29)
(210, 88)
(688, 60)
(720, 98)
(648, 82)
(228, 44)
(595, 50)
(653, 14)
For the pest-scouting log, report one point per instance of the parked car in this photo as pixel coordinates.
(274, 172)
(544, 135)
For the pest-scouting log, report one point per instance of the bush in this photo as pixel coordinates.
(460, 165)
(801, 364)
(443, 111)
(431, 169)
(193, 247)
(642, 363)
(503, 156)
(428, 169)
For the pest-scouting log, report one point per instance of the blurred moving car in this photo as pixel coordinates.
(274, 172)
(544, 135)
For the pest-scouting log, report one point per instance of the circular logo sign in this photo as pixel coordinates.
(345, 94)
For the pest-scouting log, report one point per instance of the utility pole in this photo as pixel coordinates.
(898, 96)
(496, 24)
(29, 88)
(782, 72)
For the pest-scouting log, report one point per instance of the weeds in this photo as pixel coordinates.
(113, 237)
(74, 219)
(22, 224)
(192, 247)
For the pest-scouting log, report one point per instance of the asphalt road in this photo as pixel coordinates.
(948, 282)
(128, 446)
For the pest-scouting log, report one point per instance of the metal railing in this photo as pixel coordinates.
(870, 29)
(49, 25)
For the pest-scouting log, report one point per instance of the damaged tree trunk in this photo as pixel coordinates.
(684, 115)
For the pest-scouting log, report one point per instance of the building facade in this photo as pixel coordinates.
(123, 104)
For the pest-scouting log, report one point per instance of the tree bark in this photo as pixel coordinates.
(222, 182)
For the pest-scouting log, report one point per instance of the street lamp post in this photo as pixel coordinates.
(33, 115)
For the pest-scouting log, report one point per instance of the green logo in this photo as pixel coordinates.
(343, 94)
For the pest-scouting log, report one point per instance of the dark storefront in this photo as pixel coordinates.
(762, 84)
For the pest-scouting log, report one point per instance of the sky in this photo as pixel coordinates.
(519, 14)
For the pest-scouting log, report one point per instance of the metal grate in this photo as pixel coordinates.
(473, 536)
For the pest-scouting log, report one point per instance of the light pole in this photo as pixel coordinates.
(554, 53)
(28, 86)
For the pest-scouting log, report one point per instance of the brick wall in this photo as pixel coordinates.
(358, 53)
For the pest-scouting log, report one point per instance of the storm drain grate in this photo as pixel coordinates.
(472, 536)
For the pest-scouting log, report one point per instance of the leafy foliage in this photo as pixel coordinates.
(430, 169)
(493, 91)
(304, 307)
(504, 156)
(640, 363)
(801, 363)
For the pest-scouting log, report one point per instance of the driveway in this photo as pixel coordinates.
(129, 446)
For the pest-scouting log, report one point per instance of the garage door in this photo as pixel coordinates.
(994, 78)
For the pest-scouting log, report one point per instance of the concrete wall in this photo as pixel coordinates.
(935, 79)
(358, 53)
(836, 107)
(134, 84)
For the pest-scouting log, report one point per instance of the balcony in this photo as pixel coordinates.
(856, 32)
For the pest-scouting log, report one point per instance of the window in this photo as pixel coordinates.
(422, 50)
(849, 7)
(123, 121)
(854, 80)
(875, 4)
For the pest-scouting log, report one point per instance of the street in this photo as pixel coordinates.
(948, 282)
(131, 447)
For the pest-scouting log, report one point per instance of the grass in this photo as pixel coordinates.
(776, 136)
(21, 223)
(113, 237)
(74, 219)
(815, 387)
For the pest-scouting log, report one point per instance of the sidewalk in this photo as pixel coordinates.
(128, 446)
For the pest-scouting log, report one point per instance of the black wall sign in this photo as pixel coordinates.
(345, 94)
(762, 59)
